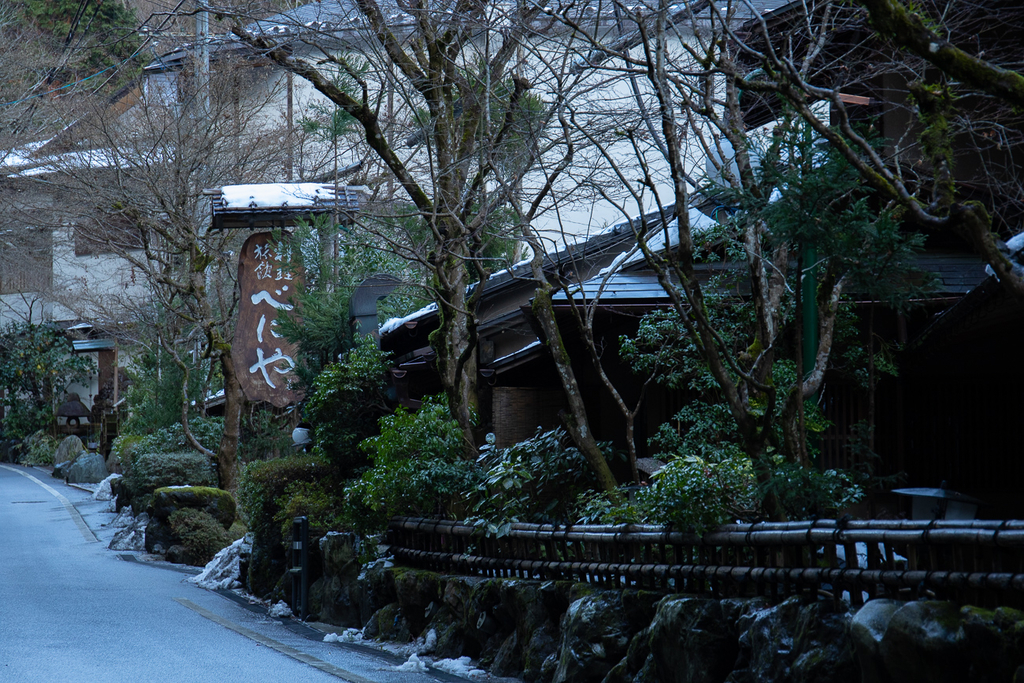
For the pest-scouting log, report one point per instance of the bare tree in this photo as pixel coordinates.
(133, 184)
(691, 138)
(473, 148)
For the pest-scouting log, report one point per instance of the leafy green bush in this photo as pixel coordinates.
(37, 364)
(263, 499)
(690, 493)
(417, 469)
(429, 433)
(317, 501)
(536, 480)
(693, 493)
(201, 534)
(415, 487)
(153, 397)
(123, 448)
(348, 399)
(39, 449)
(150, 471)
(206, 430)
(805, 493)
(264, 483)
(264, 435)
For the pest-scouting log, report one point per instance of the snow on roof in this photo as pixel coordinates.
(518, 352)
(22, 156)
(699, 223)
(394, 323)
(24, 167)
(276, 195)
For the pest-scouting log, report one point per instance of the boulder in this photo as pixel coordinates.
(994, 642)
(388, 623)
(766, 639)
(60, 471)
(691, 639)
(159, 536)
(88, 468)
(217, 502)
(867, 628)
(822, 648)
(450, 635)
(536, 610)
(177, 554)
(595, 636)
(338, 589)
(924, 642)
(418, 594)
(68, 450)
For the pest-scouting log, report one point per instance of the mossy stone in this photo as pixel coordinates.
(217, 502)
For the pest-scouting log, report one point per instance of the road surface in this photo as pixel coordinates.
(73, 611)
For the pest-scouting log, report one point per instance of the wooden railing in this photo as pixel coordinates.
(977, 562)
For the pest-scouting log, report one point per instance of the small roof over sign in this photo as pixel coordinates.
(269, 205)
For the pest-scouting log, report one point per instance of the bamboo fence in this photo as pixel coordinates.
(976, 562)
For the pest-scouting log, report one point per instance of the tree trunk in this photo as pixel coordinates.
(576, 419)
(227, 453)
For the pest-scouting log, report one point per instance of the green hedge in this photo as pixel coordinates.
(263, 492)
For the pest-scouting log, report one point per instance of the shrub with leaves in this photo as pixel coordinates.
(201, 534)
(536, 480)
(264, 484)
(39, 449)
(694, 493)
(317, 501)
(153, 397)
(417, 470)
(206, 430)
(806, 493)
(37, 365)
(348, 399)
(150, 471)
(123, 448)
(266, 434)
(263, 500)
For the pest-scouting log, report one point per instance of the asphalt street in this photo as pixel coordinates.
(72, 610)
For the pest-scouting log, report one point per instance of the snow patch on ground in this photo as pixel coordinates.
(413, 664)
(124, 518)
(281, 609)
(429, 642)
(131, 535)
(463, 666)
(103, 491)
(223, 570)
(349, 635)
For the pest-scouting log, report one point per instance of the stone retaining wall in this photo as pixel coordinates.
(564, 632)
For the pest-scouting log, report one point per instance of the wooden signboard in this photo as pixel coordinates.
(264, 359)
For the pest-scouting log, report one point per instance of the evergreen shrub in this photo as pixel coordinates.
(201, 534)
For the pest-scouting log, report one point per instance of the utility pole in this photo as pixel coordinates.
(203, 58)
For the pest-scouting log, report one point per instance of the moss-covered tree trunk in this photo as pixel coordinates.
(227, 453)
(575, 419)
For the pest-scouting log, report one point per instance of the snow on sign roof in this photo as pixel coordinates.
(281, 204)
(273, 195)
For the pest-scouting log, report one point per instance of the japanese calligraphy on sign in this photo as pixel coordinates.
(264, 358)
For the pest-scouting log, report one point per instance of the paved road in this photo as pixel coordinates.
(73, 611)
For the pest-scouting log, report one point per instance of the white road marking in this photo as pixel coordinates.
(76, 517)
